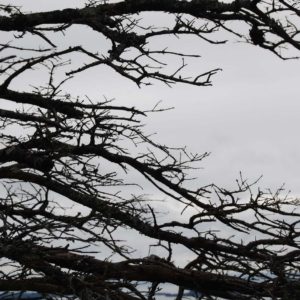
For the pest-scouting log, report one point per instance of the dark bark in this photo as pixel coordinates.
(56, 190)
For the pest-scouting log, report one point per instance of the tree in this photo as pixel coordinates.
(63, 159)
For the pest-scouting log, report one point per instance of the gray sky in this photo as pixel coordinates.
(248, 120)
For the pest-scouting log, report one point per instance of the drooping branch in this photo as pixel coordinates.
(64, 164)
(117, 22)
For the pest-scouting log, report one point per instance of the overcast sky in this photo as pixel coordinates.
(248, 120)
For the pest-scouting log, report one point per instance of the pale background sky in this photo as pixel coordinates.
(248, 120)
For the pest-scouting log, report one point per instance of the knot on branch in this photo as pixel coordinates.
(256, 35)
